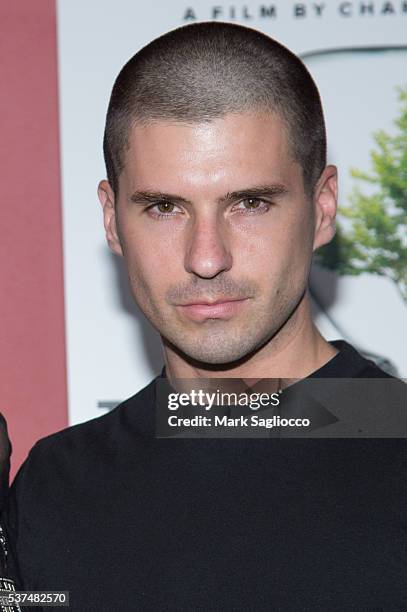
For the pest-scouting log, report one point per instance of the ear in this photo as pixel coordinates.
(325, 205)
(106, 198)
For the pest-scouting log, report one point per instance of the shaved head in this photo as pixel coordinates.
(204, 71)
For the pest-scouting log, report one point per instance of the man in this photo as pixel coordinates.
(218, 193)
(6, 584)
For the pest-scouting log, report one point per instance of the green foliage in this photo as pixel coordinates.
(375, 238)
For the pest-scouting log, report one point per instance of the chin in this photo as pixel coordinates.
(217, 358)
(216, 355)
(217, 346)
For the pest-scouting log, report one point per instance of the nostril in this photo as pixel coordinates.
(208, 265)
(208, 254)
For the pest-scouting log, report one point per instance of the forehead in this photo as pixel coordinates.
(248, 146)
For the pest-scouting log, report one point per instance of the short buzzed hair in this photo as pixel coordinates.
(203, 71)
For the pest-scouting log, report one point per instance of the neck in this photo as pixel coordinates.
(296, 351)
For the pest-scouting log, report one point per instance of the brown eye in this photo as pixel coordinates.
(252, 206)
(165, 207)
(252, 203)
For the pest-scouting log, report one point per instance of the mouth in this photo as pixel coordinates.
(219, 309)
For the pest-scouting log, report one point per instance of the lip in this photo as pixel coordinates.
(220, 309)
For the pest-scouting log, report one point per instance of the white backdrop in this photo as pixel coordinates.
(112, 349)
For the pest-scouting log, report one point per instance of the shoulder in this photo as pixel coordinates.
(352, 362)
(92, 441)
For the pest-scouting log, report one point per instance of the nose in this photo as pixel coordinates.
(207, 253)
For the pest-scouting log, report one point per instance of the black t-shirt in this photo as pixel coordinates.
(125, 521)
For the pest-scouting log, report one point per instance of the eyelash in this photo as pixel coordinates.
(249, 211)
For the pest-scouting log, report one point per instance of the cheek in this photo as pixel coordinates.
(281, 255)
(276, 244)
(296, 248)
(151, 262)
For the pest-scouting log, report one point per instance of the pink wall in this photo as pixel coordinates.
(32, 344)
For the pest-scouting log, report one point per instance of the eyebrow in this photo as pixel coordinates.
(258, 191)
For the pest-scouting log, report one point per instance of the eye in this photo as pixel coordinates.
(253, 205)
(165, 207)
(162, 209)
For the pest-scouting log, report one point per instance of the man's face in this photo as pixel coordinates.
(211, 212)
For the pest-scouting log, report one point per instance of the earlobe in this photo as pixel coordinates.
(107, 200)
(325, 202)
